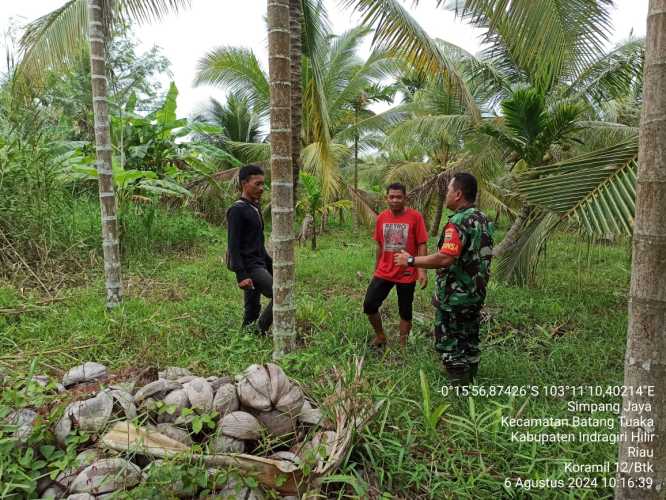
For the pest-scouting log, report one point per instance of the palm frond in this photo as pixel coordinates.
(316, 33)
(612, 75)
(148, 11)
(396, 30)
(411, 174)
(596, 135)
(239, 70)
(54, 40)
(362, 206)
(250, 152)
(433, 129)
(547, 39)
(316, 26)
(518, 267)
(596, 190)
(57, 38)
(421, 195)
(323, 160)
(373, 123)
(491, 197)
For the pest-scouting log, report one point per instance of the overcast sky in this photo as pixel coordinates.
(187, 36)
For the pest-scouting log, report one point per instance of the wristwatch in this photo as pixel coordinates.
(410, 261)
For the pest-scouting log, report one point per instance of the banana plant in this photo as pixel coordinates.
(158, 141)
(132, 185)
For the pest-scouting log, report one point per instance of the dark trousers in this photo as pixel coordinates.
(379, 289)
(263, 285)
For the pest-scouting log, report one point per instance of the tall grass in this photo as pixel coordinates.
(185, 309)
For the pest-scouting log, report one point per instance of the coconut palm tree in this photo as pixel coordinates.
(643, 366)
(234, 117)
(282, 182)
(556, 48)
(296, 56)
(537, 128)
(332, 79)
(53, 41)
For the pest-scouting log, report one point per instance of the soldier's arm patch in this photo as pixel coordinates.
(451, 245)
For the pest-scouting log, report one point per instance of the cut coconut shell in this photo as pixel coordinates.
(287, 456)
(123, 404)
(156, 390)
(177, 398)
(93, 414)
(277, 423)
(226, 399)
(217, 382)
(83, 460)
(290, 401)
(254, 388)
(279, 381)
(22, 421)
(87, 372)
(106, 475)
(128, 438)
(200, 394)
(240, 425)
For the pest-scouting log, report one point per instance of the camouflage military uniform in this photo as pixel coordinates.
(460, 292)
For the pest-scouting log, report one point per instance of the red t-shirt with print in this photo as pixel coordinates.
(396, 233)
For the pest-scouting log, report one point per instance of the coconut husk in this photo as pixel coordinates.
(129, 438)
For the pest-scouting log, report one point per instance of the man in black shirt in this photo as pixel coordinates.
(248, 257)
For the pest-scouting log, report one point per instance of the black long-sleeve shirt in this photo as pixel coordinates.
(245, 239)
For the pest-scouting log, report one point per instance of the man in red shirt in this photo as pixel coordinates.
(397, 229)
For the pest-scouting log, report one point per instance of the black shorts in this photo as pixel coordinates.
(379, 289)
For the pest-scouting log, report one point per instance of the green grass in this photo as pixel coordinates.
(185, 309)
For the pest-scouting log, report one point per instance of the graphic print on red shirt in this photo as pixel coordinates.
(396, 233)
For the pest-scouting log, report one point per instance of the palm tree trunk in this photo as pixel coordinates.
(314, 230)
(107, 196)
(513, 234)
(443, 180)
(324, 222)
(645, 358)
(282, 185)
(356, 217)
(439, 211)
(296, 50)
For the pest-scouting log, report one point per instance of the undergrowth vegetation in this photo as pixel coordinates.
(184, 309)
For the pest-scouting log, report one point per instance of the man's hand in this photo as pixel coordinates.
(422, 278)
(400, 259)
(246, 284)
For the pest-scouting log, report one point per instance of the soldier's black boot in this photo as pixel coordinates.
(459, 374)
(474, 369)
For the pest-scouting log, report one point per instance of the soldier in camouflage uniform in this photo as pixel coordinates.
(463, 269)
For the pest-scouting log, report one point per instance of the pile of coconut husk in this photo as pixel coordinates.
(259, 431)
